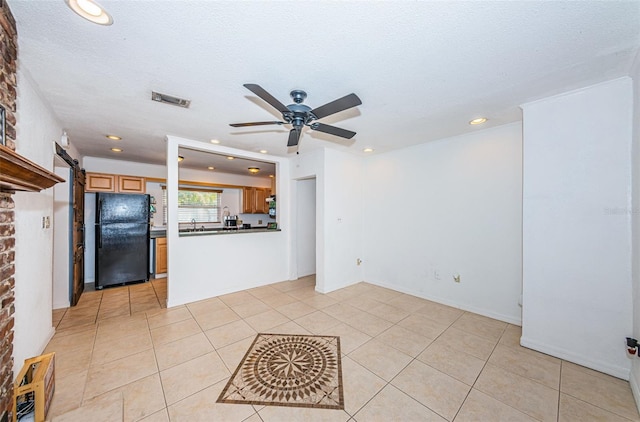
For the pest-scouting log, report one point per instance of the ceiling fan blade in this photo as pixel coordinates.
(260, 92)
(332, 130)
(333, 107)
(255, 124)
(294, 137)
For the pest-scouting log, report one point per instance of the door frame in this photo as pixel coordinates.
(77, 174)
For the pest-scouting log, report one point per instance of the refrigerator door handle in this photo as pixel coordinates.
(99, 235)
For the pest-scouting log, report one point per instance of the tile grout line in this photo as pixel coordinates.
(480, 373)
(155, 357)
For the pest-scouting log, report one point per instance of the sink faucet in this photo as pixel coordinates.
(193, 221)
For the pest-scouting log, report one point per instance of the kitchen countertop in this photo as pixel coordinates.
(215, 232)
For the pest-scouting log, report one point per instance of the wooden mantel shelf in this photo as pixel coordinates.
(19, 174)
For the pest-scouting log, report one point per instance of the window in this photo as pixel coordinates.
(200, 204)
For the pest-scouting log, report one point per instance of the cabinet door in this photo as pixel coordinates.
(161, 255)
(262, 207)
(248, 200)
(100, 182)
(131, 184)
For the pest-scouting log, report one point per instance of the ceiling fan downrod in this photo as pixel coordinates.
(298, 95)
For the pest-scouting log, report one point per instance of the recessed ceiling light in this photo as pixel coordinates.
(367, 150)
(253, 170)
(116, 150)
(215, 141)
(211, 168)
(114, 137)
(263, 151)
(91, 11)
(478, 121)
(271, 176)
(180, 158)
(231, 158)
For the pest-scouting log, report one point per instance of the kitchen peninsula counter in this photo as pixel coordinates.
(213, 232)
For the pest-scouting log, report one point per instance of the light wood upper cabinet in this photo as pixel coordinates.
(262, 207)
(131, 184)
(248, 200)
(254, 200)
(99, 182)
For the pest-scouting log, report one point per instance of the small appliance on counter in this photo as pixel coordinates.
(272, 206)
(231, 221)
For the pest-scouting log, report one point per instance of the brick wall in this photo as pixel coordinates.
(7, 270)
(9, 53)
(8, 56)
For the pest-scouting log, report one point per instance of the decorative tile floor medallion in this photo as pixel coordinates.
(288, 370)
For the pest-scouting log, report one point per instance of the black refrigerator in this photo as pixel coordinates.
(122, 238)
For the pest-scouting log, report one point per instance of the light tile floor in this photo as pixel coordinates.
(121, 356)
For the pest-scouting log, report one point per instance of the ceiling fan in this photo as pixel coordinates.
(299, 115)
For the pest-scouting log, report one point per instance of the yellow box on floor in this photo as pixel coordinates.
(35, 382)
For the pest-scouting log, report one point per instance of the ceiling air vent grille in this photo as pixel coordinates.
(168, 99)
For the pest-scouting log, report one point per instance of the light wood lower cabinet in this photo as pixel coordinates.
(100, 182)
(161, 255)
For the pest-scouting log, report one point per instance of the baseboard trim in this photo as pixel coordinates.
(613, 370)
(484, 312)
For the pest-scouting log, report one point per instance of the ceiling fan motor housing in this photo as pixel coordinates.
(299, 115)
(298, 95)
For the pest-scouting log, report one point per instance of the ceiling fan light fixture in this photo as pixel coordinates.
(253, 170)
(478, 121)
(91, 11)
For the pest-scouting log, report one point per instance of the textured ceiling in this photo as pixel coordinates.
(422, 69)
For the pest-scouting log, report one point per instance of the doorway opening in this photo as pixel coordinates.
(68, 254)
(306, 227)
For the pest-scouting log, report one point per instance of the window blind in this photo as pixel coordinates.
(195, 203)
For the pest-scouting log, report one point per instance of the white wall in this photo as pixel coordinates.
(62, 207)
(343, 211)
(635, 245)
(339, 178)
(36, 129)
(449, 207)
(577, 301)
(89, 237)
(207, 266)
(305, 226)
(306, 166)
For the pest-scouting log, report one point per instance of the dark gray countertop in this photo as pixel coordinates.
(215, 232)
